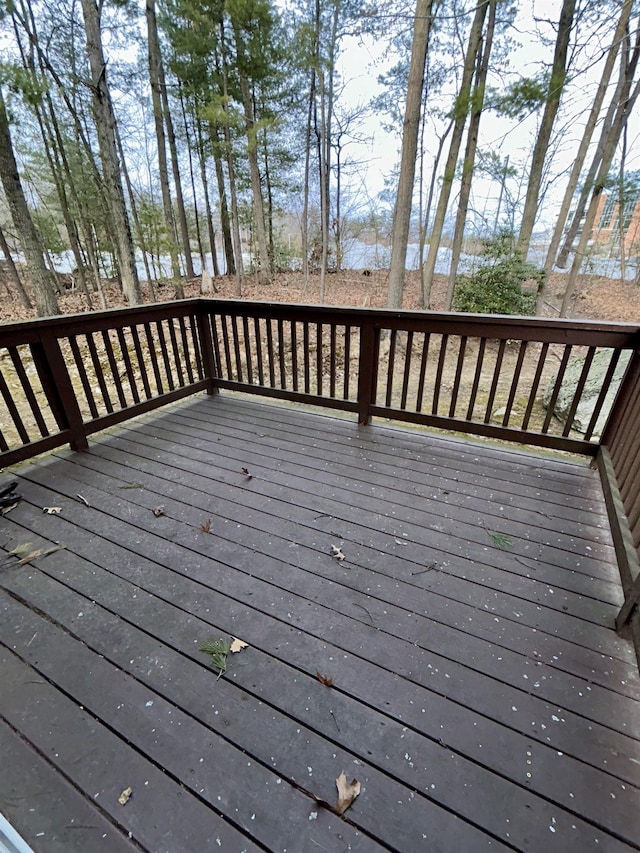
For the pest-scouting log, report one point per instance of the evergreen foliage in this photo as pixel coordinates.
(497, 285)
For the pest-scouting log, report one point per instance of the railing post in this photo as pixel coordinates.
(367, 370)
(205, 339)
(57, 386)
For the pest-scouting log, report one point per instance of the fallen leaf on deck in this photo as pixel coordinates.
(131, 486)
(125, 796)
(347, 792)
(324, 679)
(237, 645)
(206, 526)
(158, 511)
(5, 509)
(337, 553)
(52, 510)
(246, 473)
(83, 500)
(400, 542)
(39, 552)
(218, 651)
(501, 540)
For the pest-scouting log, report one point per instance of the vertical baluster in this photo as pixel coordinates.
(294, 353)
(127, 365)
(281, 352)
(143, 368)
(185, 349)
(436, 388)
(556, 388)
(28, 390)
(586, 367)
(332, 361)
(165, 355)
(258, 339)
(225, 345)
(98, 371)
(13, 410)
(534, 388)
(154, 358)
(494, 381)
(272, 375)
(236, 347)
(106, 340)
(390, 365)
(476, 378)
(247, 348)
(423, 370)
(514, 383)
(458, 376)
(347, 362)
(319, 353)
(613, 363)
(177, 361)
(305, 347)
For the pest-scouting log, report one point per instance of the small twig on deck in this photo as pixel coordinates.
(83, 499)
(334, 720)
(362, 607)
(430, 568)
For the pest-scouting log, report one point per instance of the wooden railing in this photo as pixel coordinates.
(64, 378)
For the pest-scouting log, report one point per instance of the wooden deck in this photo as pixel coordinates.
(479, 692)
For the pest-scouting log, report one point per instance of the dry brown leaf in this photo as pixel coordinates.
(125, 796)
(327, 680)
(347, 792)
(5, 509)
(337, 553)
(158, 511)
(52, 510)
(246, 473)
(206, 526)
(237, 645)
(39, 552)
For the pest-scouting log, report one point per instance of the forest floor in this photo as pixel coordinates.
(596, 298)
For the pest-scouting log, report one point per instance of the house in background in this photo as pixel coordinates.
(611, 221)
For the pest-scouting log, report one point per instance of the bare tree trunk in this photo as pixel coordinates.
(468, 165)
(424, 226)
(155, 64)
(610, 144)
(207, 203)
(324, 187)
(136, 221)
(13, 272)
(411, 127)
(177, 182)
(46, 304)
(105, 127)
(622, 206)
(187, 136)
(264, 264)
(461, 111)
(584, 144)
(307, 163)
(554, 93)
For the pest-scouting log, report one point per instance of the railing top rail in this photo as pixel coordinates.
(97, 320)
(604, 333)
(580, 332)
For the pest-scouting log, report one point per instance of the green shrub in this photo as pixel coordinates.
(497, 285)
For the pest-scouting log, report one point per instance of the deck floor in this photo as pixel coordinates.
(479, 693)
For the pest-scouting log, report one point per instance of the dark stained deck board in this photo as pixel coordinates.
(191, 688)
(36, 798)
(421, 699)
(452, 646)
(581, 556)
(586, 739)
(187, 504)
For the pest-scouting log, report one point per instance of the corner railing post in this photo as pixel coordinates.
(58, 388)
(367, 370)
(205, 338)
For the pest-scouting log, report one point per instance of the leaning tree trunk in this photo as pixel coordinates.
(461, 111)
(13, 272)
(554, 93)
(105, 128)
(155, 63)
(581, 154)
(468, 164)
(46, 304)
(205, 189)
(402, 210)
